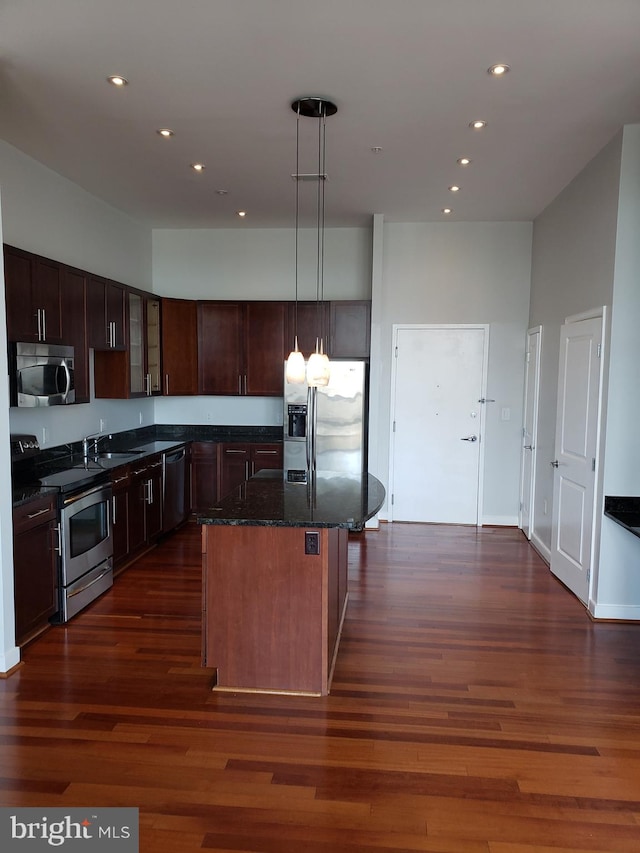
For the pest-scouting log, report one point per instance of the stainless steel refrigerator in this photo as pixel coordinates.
(325, 429)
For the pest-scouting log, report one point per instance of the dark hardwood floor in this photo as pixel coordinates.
(475, 709)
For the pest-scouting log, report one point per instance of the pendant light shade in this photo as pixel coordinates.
(318, 368)
(295, 371)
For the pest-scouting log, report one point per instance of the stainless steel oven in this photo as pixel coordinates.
(86, 547)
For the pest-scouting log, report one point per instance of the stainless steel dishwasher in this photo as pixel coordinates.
(174, 468)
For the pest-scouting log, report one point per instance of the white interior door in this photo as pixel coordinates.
(436, 429)
(576, 453)
(529, 430)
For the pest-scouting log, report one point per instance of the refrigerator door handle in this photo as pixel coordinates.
(309, 430)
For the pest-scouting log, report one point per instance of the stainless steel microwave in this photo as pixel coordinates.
(41, 375)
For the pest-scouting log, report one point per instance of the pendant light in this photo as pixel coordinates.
(318, 368)
(295, 369)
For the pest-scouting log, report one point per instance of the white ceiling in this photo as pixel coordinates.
(407, 76)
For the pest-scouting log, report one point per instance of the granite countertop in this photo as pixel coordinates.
(128, 446)
(267, 499)
(625, 511)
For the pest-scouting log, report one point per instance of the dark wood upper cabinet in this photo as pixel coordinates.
(74, 328)
(350, 329)
(33, 287)
(106, 307)
(241, 348)
(265, 332)
(312, 323)
(179, 334)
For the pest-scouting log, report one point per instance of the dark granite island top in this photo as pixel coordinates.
(275, 581)
(333, 500)
(625, 511)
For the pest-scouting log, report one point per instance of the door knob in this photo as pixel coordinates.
(554, 464)
(470, 438)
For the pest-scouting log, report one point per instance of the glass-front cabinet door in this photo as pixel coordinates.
(144, 346)
(136, 345)
(152, 325)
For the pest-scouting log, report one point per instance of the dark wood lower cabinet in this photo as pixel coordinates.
(238, 462)
(35, 567)
(204, 475)
(120, 484)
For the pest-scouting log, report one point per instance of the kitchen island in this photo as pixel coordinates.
(275, 579)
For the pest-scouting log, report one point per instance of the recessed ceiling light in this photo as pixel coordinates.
(164, 131)
(454, 189)
(376, 149)
(198, 167)
(498, 70)
(463, 161)
(478, 124)
(242, 213)
(117, 80)
(222, 192)
(446, 210)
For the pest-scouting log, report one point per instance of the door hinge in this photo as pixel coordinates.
(394, 426)
(392, 497)
(588, 575)
(396, 352)
(527, 357)
(598, 350)
(593, 464)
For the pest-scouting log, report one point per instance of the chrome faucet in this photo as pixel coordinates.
(96, 436)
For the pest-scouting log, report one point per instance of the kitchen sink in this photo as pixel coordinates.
(114, 454)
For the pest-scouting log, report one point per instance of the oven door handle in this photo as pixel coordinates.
(90, 584)
(76, 497)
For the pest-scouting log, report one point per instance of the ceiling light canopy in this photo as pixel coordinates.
(198, 167)
(463, 161)
(117, 80)
(165, 132)
(454, 189)
(477, 124)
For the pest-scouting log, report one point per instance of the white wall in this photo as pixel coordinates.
(572, 271)
(459, 273)
(9, 653)
(44, 213)
(259, 263)
(617, 592)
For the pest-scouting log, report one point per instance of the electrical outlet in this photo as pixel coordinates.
(312, 542)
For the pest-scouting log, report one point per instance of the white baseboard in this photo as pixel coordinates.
(500, 521)
(625, 612)
(9, 660)
(541, 548)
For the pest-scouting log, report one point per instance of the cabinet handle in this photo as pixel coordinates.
(166, 384)
(150, 491)
(246, 470)
(239, 384)
(40, 512)
(113, 509)
(235, 451)
(39, 330)
(44, 325)
(58, 547)
(265, 452)
(148, 383)
(245, 384)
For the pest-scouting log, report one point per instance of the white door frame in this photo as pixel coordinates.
(536, 330)
(485, 327)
